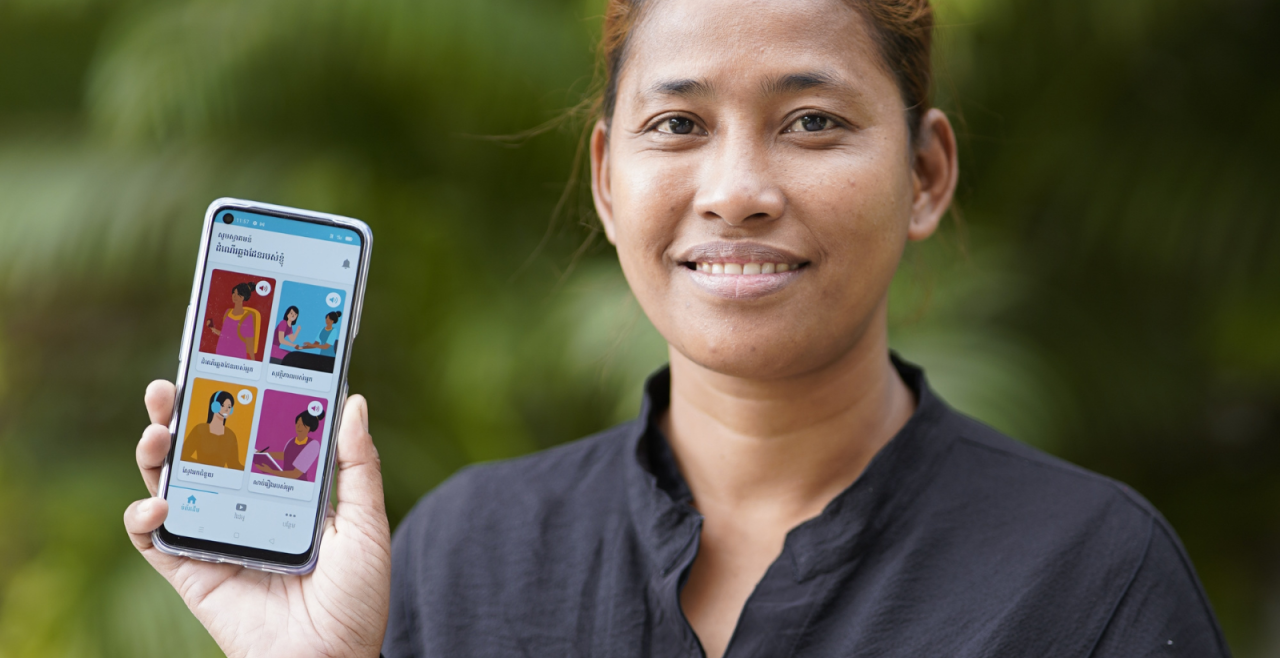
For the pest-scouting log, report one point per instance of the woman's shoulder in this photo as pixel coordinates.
(1032, 477)
(1045, 529)
(1010, 498)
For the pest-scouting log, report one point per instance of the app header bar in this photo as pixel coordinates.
(263, 249)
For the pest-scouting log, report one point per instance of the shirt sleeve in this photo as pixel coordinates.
(400, 640)
(307, 457)
(1164, 611)
(189, 445)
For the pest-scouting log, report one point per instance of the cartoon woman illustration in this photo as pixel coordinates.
(299, 454)
(213, 443)
(322, 343)
(285, 335)
(238, 336)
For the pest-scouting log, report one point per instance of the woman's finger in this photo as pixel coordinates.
(159, 400)
(142, 517)
(152, 450)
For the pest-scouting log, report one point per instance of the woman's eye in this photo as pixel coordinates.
(676, 126)
(811, 123)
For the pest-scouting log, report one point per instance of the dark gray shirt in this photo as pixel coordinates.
(955, 541)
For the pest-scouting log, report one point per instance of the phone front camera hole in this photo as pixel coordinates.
(228, 218)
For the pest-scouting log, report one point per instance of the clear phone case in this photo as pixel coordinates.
(188, 335)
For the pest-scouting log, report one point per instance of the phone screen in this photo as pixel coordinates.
(262, 376)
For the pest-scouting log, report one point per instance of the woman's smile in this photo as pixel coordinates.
(740, 270)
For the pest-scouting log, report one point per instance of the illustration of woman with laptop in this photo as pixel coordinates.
(213, 443)
(299, 454)
(285, 334)
(238, 335)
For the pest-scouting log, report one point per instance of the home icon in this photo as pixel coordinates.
(191, 500)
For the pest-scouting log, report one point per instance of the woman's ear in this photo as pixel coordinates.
(935, 170)
(601, 192)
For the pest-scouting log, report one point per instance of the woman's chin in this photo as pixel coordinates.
(760, 360)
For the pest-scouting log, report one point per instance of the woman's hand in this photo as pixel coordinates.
(340, 609)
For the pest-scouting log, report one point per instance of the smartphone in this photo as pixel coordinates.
(275, 308)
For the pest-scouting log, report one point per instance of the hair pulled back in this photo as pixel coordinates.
(902, 29)
(245, 290)
(312, 422)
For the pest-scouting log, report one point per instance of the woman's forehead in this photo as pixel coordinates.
(706, 46)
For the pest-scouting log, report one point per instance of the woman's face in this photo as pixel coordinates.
(328, 323)
(226, 409)
(291, 316)
(236, 298)
(301, 427)
(755, 136)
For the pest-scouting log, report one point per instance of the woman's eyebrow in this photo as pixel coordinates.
(683, 87)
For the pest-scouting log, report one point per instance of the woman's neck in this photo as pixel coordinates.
(782, 449)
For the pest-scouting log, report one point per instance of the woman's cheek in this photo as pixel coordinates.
(649, 210)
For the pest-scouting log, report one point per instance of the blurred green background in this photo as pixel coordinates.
(1112, 294)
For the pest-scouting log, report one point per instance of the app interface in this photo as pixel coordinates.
(262, 377)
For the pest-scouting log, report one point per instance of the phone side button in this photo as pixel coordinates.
(182, 344)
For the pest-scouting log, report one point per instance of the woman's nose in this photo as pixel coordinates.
(738, 187)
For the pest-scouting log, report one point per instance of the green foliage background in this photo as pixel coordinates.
(1112, 295)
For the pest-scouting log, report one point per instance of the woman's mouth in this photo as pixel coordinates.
(735, 270)
(719, 267)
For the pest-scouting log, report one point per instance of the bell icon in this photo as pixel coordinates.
(346, 264)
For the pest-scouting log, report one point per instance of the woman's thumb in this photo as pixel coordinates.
(359, 471)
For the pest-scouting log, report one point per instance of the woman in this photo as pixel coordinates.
(213, 443)
(788, 489)
(300, 453)
(286, 334)
(238, 336)
(322, 342)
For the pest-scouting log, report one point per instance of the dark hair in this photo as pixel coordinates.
(245, 290)
(902, 29)
(312, 422)
(220, 398)
(334, 315)
(296, 313)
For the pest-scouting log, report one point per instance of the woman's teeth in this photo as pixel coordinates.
(744, 268)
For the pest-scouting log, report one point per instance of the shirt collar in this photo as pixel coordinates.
(659, 497)
(657, 493)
